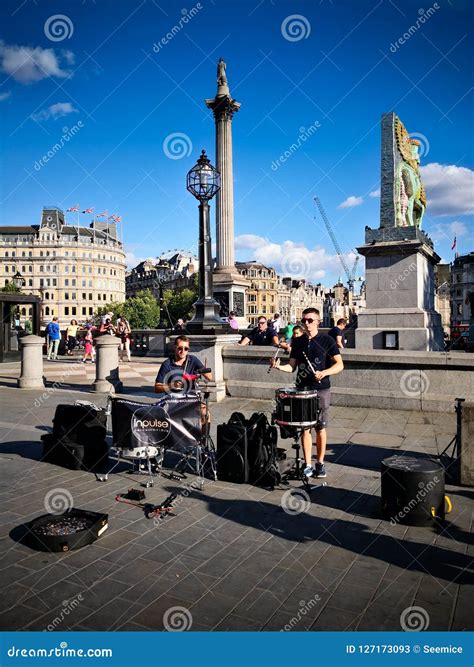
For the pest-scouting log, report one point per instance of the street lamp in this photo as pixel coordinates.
(203, 182)
(18, 280)
(161, 324)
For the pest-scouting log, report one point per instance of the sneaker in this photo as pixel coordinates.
(320, 471)
(308, 471)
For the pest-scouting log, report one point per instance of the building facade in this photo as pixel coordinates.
(462, 289)
(175, 270)
(74, 270)
(261, 298)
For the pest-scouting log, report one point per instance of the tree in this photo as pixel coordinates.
(11, 288)
(142, 311)
(180, 304)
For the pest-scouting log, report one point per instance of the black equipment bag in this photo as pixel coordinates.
(78, 438)
(231, 455)
(262, 451)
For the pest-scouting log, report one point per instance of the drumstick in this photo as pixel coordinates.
(310, 365)
(274, 359)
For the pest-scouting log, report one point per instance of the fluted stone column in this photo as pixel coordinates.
(229, 285)
(107, 378)
(31, 376)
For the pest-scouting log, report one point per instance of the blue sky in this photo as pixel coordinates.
(326, 70)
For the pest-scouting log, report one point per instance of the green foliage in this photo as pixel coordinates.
(180, 304)
(11, 288)
(142, 311)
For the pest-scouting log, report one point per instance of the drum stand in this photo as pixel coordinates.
(203, 453)
(296, 470)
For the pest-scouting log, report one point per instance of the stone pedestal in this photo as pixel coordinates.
(208, 349)
(31, 376)
(229, 291)
(107, 366)
(400, 291)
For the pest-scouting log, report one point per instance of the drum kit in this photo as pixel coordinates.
(296, 410)
(198, 454)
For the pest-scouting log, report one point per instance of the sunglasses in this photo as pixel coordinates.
(181, 348)
(309, 320)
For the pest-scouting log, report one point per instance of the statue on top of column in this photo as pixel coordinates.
(222, 83)
(410, 195)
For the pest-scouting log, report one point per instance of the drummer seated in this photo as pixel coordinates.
(179, 372)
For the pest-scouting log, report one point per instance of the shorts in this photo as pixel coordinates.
(324, 403)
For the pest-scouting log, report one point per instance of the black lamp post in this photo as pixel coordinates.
(203, 181)
(18, 280)
(161, 324)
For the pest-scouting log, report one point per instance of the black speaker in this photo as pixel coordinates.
(412, 490)
(232, 463)
(78, 438)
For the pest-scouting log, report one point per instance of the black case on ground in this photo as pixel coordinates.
(232, 463)
(78, 438)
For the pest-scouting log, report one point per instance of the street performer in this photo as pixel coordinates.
(316, 356)
(179, 372)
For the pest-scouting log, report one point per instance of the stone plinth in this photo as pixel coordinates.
(467, 445)
(31, 376)
(400, 293)
(208, 349)
(107, 378)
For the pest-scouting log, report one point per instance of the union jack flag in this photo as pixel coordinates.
(73, 209)
(116, 218)
(88, 210)
(105, 214)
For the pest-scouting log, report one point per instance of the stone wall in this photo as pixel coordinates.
(426, 381)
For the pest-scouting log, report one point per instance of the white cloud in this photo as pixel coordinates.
(374, 194)
(26, 64)
(351, 201)
(292, 259)
(447, 231)
(4, 96)
(132, 260)
(55, 111)
(449, 189)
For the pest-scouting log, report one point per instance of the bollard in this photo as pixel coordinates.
(31, 375)
(107, 365)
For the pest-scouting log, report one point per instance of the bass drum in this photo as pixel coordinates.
(295, 407)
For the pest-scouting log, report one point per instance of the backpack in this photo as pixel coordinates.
(262, 439)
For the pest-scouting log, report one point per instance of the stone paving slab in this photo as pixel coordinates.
(231, 556)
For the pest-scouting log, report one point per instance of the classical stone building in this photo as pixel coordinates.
(303, 295)
(174, 269)
(462, 286)
(261, 298)
(74, 270)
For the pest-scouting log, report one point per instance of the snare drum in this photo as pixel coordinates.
(295, 407)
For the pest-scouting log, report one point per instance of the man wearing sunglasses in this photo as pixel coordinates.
(316, 356)
(261, 334)
(176, 373)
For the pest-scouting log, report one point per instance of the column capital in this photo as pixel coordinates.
(223, 106)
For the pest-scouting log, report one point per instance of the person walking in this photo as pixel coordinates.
(71, 337)
(88, 345)
(124, 332)
(54, 336)
(337, 332)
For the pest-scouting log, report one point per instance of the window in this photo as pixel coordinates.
(104, 297)
(98, 297)
(73, 310)
(30, 269)
(41, 253)
(73, 296)
(66, 254)
(66, 310)
(84, 296)
(46, 310)
(84, 311)
(30, 282)
(90, 296)
(66, 296)
(66, 282)
(66, 269)
(41, 282)
(83, 283)
(23, 269)
(73, 268)
(48, 282)
(91, 311)
(23, 254)
(30, 254)
(73, 282)
(6, 254)
(23, 312)
(7, 269)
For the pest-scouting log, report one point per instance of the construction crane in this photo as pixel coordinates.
(349, 273)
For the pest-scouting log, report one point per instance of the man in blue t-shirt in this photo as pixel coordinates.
(54, 336)
(316, 356)
(178, 373)
(263, 334)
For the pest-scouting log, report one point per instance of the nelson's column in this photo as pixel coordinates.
(229, 285)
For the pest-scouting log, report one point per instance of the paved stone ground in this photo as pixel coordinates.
(231, 557)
